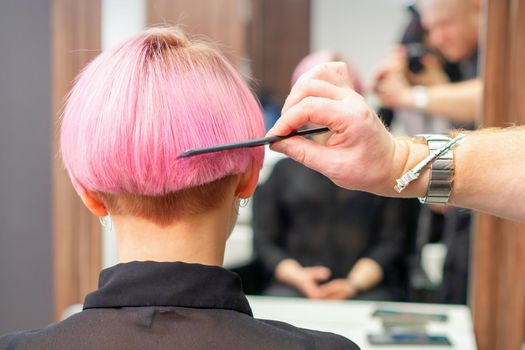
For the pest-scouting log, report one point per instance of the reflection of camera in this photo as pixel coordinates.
(414, 54)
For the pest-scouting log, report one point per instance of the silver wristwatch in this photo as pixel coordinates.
(441, 170)
(441, 161)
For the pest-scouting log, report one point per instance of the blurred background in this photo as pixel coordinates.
(52, 249)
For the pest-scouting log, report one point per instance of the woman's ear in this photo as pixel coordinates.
(248, 182)
(93, 202)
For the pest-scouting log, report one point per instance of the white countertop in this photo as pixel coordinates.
(353, 319)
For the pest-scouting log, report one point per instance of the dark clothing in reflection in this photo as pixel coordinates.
(300, 214)
(456, 237)
(453, 229)
(152, 305)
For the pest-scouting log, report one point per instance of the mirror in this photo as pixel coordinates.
(265, 40)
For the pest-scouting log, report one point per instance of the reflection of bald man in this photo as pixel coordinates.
(452, 27)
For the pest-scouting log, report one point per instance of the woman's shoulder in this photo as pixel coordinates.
(322, 340)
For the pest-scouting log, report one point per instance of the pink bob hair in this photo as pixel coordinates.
(324, 56)
(134, 108)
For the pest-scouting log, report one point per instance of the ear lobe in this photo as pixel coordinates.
(248, 182)
(93, 203)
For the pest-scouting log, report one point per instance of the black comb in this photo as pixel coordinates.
(250, 143)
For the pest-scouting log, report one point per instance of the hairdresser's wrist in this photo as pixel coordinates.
(408, 152)
(470, 158)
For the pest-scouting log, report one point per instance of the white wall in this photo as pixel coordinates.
(121, 19)
(362, 30)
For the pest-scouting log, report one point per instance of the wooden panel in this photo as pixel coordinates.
(222, 21)
(76, 233)
(498, 292)
(279, 39)
(517, 59)
(273, 35)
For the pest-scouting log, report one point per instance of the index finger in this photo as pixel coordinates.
(309, 110)
(315, 88)
(332, 72)
(335, 73)
(318, 110)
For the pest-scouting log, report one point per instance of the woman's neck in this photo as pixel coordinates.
(193, 239)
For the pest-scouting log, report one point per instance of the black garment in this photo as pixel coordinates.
(456, 268)
(150, 305)
(453, 229)
(469, 70)
(300, 214)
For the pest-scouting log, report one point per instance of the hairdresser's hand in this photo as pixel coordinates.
(360, 154)
(338, 289)
(304, 279)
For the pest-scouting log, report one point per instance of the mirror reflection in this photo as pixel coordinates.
(301, 235)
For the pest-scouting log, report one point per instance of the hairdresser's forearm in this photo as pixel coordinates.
(490, 173)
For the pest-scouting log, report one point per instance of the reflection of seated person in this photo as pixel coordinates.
(321, 241)
(130, 113)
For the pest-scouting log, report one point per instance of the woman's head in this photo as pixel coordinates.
(136, 107)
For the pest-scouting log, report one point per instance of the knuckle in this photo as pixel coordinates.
(326, 66)
(300, 156)
(322, 70)
(309, 103)
(341, 68)
(360, 109)
(363, 112)
(299, 84)
(306, 86)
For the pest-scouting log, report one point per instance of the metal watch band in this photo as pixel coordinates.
(441, 171)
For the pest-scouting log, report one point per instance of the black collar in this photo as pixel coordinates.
(151, 283)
